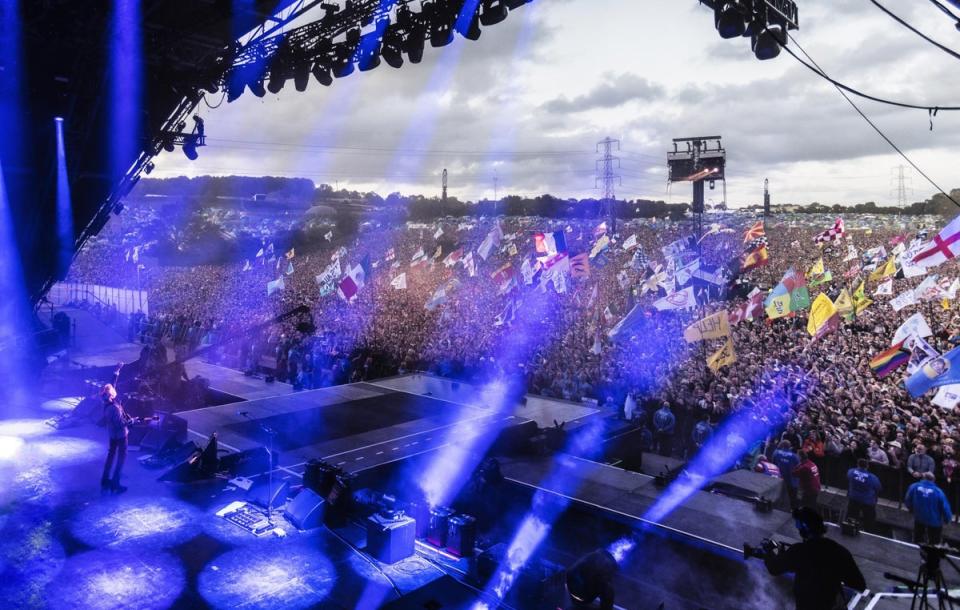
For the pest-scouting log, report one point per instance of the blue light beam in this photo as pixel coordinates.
(65, 237)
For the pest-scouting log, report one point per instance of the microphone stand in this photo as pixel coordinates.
(271, 433)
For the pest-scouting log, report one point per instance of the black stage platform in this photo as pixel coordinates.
(357, 427)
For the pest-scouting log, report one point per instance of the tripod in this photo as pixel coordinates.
(929, 572)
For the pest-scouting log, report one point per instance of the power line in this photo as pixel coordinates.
(871, 123)
(946, 10)
(896, 18)
(816, 70)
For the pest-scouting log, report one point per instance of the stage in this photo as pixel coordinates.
(64, 540)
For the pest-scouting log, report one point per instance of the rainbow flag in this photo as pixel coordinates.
(889, 360)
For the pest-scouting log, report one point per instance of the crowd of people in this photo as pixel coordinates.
(485, 328)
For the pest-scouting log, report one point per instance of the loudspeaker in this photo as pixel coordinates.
(258, 493)
(158, 440)
(174, 423)
(462, 535)
(390, 540)
(247, 463)
(186, 471)
(306, 510)
(320, 476)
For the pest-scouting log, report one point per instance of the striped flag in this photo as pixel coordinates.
(889, 360)
(754, 232)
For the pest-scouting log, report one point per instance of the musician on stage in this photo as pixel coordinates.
(117, 421)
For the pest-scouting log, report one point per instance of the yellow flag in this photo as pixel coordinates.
(711, 327)
(725, 356)
(890, 268)
(778, 306)
(844, 303)
(816, 269)
(945, 303)
(823, 316)
(863, 304)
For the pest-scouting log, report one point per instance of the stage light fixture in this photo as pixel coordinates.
(256, 87)
(301, 76)
(441, 16)
(148, 167)
(168, 143)
(370, 48)
(234, 86)
(392, 49)
(766, 44)
(512, 4)
(729, 20)
(276, 82)
(470, 30)
(493, 12)
(190, 147)
(321, 72)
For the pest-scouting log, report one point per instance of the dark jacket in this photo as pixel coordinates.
(821, 567)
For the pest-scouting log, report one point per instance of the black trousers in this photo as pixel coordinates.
(118, 448)
(926, 534)
(866, 514)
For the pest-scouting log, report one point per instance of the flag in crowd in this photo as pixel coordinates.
(399, 282)
(920, 353)
(630, 243)
(824, 317)
(711, 327)
(835, 232)
(725, 356)
(889, 360)
(914, 325)
(885, 288)
(290, 253)
(757, 258)
(246, 265)
(939, 371)
(943, 247)
(904, 299)
(789, 296)
(681, 299)
(275, 286)
(548, 245)
(755, 231)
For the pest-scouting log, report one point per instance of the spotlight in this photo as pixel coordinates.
(148, 168)
(168, 143)
(370, 48)
(344, 54)
(256, 87)
(766, 44)
(117, 208)
(470, 30)
(322, 74)
(58, 119)
(301, 76)
(392, 50)
(234, 87)
(729, 20)
(276, 82)
(493, 12)
(441, 17)
(190, 147)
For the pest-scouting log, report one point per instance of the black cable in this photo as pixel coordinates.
(847, 88)
(946, 10)
(896, 18)
(867, 119)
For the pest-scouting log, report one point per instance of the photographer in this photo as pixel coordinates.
(822, 566)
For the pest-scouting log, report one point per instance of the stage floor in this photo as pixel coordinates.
(357, 427)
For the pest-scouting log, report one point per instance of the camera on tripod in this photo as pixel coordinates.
(766, 548)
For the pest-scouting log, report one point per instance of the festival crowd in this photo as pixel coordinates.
(819, 396)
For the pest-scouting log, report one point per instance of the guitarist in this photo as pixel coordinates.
(117, 422)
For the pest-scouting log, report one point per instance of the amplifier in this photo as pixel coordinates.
(390, 539)
(462, 535)
(438, 526)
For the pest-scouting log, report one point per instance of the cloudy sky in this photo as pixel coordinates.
(523, 108)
